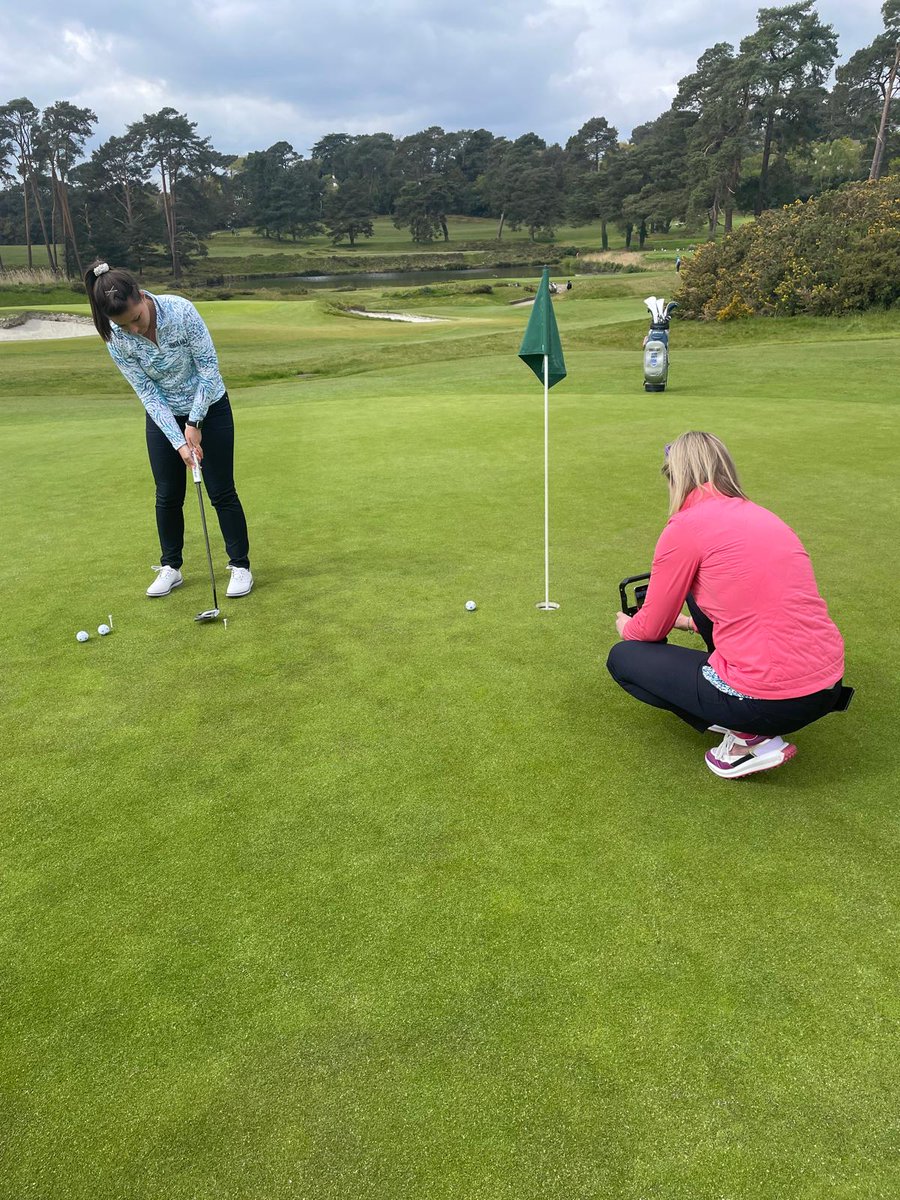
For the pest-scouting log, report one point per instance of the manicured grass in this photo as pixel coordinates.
(370, 897)
(388, 239)
(17, 256)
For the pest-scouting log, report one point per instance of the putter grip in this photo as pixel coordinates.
(195, 470)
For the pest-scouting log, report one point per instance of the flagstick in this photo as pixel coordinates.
(547, 603)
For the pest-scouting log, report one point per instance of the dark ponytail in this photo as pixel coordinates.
(111, 293)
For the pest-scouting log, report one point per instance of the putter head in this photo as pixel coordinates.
(209, 615)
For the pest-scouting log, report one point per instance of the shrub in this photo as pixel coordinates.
(838, 252)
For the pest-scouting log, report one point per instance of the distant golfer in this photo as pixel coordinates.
(162, 347)
(678, 264)
(774, 660)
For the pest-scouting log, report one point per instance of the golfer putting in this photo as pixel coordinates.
(164, 350)
(774, 660)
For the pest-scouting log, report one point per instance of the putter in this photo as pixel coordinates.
(211, 613)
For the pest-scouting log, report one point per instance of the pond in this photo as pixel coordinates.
(393, 278)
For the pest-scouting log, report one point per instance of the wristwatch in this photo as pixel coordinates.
(193, 424)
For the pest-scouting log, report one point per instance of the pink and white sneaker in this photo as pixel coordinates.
(736, 757)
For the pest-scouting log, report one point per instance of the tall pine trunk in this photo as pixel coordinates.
(37, 203)
(878, 156)
(604, 236)
(168, 195)
(68, 222)
(176, 261)
(714, 209)
(500, 226)
(27, 225)
(54, 209)
(730, 191)
(764, 169)
(734, 175)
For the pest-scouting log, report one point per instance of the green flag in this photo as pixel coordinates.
(542, 336)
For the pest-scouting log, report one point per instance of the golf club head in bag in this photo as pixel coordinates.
(209, 614)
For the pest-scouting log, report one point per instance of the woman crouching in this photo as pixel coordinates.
(774, 659)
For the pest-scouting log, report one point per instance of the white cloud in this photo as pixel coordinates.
(252, 73)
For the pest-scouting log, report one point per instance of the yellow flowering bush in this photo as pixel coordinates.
(835, 253)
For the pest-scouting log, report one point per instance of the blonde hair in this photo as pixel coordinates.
(696, 459)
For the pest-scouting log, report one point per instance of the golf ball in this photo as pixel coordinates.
(471, 605)
(103, 630)
(82, 635)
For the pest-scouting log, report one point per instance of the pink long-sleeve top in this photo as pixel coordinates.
(750, 574)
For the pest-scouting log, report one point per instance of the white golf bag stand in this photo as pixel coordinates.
(656, 347)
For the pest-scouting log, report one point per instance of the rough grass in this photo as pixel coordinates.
(16, 257)
(23, 276)
(623, 258)
(371, 897)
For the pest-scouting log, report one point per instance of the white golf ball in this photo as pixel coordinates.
(103, 630)
(82, 635)
(471, 605)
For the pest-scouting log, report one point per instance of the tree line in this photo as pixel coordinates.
(750, 129)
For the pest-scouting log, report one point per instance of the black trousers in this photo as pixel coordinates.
(171, 477)
(671, 677)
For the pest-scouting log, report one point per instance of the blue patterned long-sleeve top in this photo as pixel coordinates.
(177, 376)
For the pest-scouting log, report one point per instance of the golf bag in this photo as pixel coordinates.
(656, 344)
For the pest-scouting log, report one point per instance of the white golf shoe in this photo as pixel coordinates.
(241, 581)
(166, 579)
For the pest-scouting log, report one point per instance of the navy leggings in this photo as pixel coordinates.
(171, 477)
(671, 677)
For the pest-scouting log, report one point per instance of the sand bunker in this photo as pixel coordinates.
(30, 327)
(386, 316)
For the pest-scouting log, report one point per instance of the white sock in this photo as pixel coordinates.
(770, 747)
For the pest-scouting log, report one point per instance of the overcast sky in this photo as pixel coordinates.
(253, 72)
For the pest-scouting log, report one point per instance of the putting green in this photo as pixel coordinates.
(368, 896)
